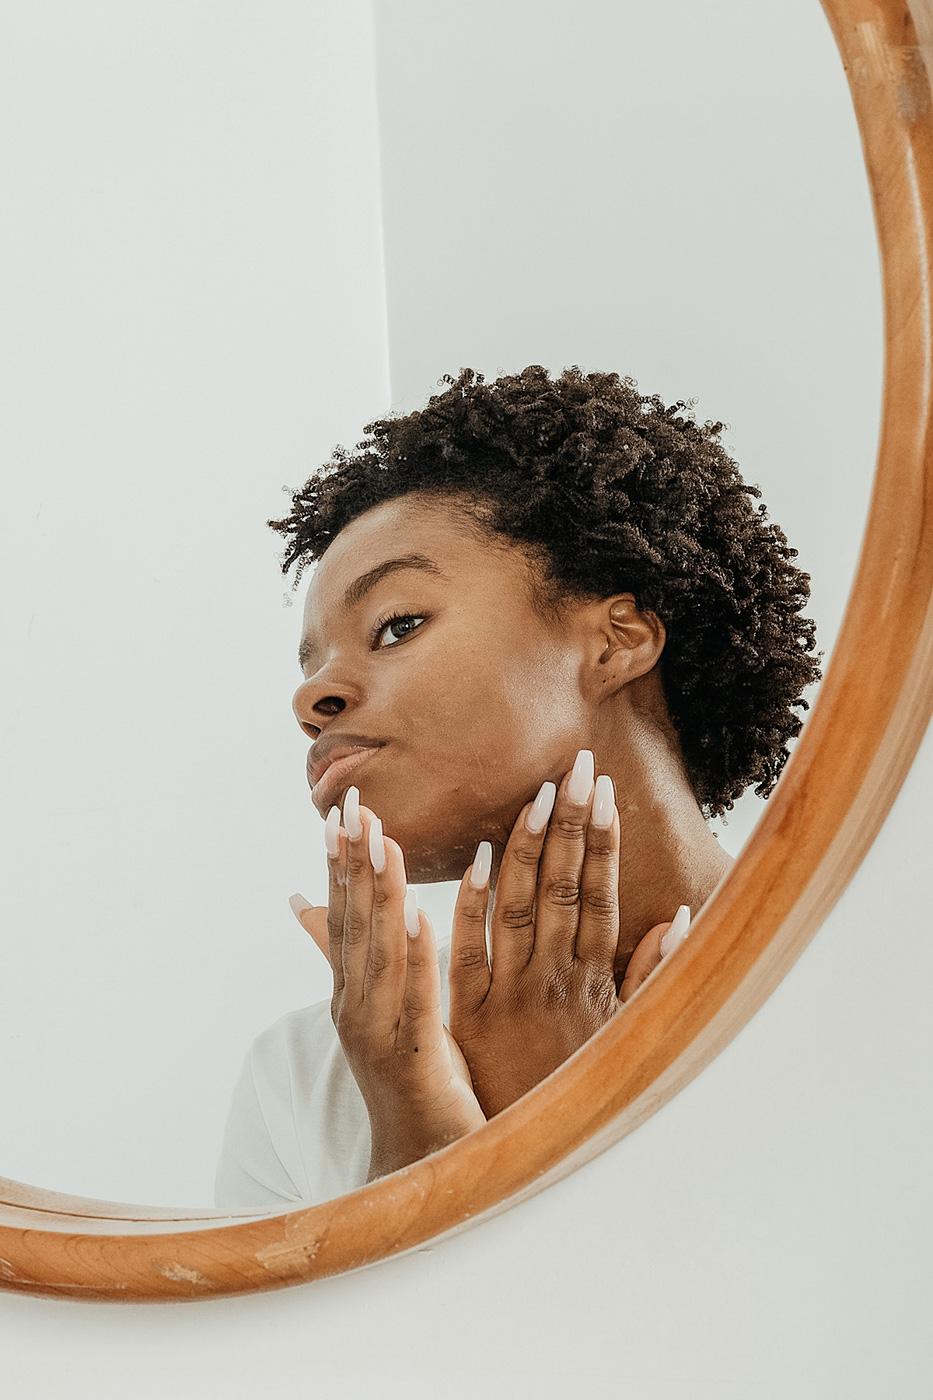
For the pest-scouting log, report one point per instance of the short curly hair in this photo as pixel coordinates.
(616, 492)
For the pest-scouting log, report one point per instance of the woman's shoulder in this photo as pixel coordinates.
(297, 1128)
(298, 1036)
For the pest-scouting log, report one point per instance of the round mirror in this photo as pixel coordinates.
(200, 303)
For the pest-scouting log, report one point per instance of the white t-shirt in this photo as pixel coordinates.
(297, 1130)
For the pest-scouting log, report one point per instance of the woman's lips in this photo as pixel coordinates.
(334, 781)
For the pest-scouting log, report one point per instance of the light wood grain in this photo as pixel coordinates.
(855, 751)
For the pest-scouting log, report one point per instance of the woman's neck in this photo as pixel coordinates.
(668, 854)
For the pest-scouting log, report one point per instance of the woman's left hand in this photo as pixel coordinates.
(386, 1004)
(554, 936)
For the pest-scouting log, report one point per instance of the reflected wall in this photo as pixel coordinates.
(194, 275)
(193, 315)
(674, 192)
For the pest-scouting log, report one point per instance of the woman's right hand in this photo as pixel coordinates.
(387, 995)
(550, 983)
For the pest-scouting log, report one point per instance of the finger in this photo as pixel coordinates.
(512, 925)
(677, 932)
(658, 943)
(387, 966)
(598, 928)
(469, 975)
(358, 910)
(421, 1025)
(335, 841)
(313, 919)
(557, 910)
(643, 961)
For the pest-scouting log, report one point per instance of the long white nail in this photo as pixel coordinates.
(332, 832)
(377, 846)
(482, 864)
(604, 802)
(351, 814)
(412, 925)
(680, 927)
(298, 905)
(541, 808)
(581, 778)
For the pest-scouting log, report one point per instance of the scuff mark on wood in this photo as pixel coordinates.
(178, 1273)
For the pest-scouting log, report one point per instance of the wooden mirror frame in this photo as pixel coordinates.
(846, 771)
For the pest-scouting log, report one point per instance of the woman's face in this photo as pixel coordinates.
(432, 683)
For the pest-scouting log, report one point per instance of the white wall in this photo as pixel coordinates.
(767, 1234)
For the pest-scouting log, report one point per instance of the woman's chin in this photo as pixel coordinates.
(428, 860)
(432, 866)
(434, 848)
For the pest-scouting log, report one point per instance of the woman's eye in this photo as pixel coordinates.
(396, 629)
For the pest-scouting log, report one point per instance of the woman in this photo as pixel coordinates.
(548, 635)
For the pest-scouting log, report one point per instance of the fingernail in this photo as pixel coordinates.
(377, 846)
(482, 864)
(604, 802)
(412, 925)
(581, 778)
(298, 905)
(332, 832)
(541, 808)
(351, 814)
(680, 927)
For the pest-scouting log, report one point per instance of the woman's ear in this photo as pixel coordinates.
(628, 640)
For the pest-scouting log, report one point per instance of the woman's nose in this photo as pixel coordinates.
(317, 701)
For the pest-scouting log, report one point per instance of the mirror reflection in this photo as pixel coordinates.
(550, 633)
(228, 247)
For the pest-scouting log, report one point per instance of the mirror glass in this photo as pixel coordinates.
(234, 234)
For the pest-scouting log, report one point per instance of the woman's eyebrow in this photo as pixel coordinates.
(359, 588)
